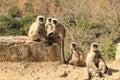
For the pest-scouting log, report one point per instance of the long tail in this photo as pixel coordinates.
(62, 50)
(108, 71)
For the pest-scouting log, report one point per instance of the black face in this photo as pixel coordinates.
(73, 45)
(54, 22)
(95, 46)
(49, 20)
(41, 19)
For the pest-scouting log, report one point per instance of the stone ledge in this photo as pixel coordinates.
(22, 48)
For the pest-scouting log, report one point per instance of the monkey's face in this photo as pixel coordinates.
(48, 22)
(95, 46)
(73, 45)
(54, 21)
(40, 19)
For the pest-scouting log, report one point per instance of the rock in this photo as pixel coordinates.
(117, 56)
(22, 66)
(21, 48)
(63, 74)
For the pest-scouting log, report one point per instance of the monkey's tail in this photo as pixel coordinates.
(63, 54)
(69, 57)
(108, 71)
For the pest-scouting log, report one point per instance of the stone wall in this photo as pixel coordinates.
(117, 56)
(20, 48)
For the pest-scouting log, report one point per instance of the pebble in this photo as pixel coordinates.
(63, 74)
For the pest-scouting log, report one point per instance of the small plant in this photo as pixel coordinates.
(14, 12)
(109, 49)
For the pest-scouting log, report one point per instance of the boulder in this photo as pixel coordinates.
(22, 48)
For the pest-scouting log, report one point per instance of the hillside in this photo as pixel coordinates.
(61, 7)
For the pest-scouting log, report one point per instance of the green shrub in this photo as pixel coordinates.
(10, 24)
(14, 12)
(109, 49)
(17, 27)
(26, 22)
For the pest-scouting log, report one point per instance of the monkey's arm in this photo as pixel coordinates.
(80, 51)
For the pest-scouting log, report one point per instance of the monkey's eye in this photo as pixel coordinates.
(49, 20)
(95, 46)
(41, 19)
(54, 22)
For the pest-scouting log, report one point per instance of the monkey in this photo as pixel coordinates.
(37, 29)
(92, 57)
(77, 55)
(57, 35)
(95, 61)
(48, 26)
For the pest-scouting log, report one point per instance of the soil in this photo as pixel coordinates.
(49, 71)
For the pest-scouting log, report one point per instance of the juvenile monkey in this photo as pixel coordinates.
(48, 26)
(37, 29)
(77, 55)
(57, 34)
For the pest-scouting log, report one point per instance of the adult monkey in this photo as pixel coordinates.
(95, 61)
(57, 35)
(93, 57)
(77, 55)
(37, 30)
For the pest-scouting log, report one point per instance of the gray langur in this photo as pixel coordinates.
(77, 55)
(37, 30)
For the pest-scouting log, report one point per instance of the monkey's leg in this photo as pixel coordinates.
(71, 62)
(82, 59)
(43, 35)
(35, 37)
(95, 70)
(76, 62)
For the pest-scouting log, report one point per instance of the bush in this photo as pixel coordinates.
(17, 27)
(14, 12)
(109, 49)
(26, 22)
(11, 25)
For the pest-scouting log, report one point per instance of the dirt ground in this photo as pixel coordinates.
(48, 71)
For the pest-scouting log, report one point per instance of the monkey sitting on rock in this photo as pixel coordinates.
(56, 33)
(37, 30)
